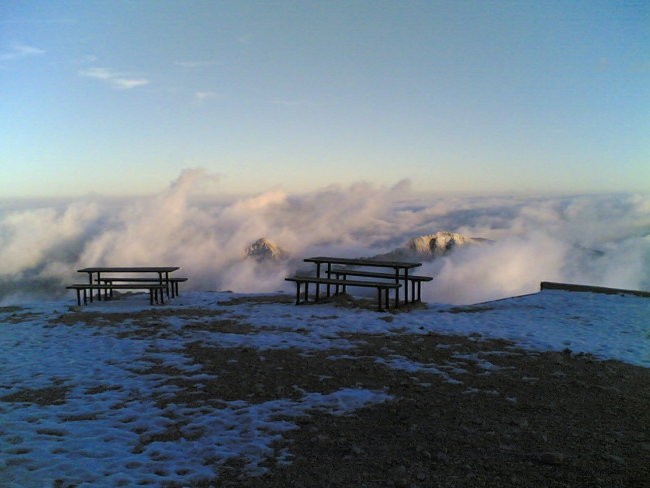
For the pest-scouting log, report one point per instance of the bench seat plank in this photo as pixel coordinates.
(415, 280)
(174, 281)
(155, 289)
(376, 274)
(381, 286)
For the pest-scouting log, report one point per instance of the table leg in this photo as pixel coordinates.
(90, 282)
(99, 290)
(329, 275)
(164, 281)
(317, 276)
(406, 285)
(397, 289)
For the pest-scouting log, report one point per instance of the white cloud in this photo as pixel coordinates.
(19, 51)
(595, 240)
(203, 96)
(122, 81)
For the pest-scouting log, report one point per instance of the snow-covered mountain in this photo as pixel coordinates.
(263, 250)
(430, 246)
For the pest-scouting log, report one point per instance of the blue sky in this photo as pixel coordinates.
(119, 97)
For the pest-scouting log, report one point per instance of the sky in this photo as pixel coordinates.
(118, 98)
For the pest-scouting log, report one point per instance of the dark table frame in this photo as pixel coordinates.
(161, 271)
(401, 269)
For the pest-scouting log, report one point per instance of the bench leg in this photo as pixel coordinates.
(406, 285)
(157, 295)
(387, 299)
(86, 296)
(329, 275)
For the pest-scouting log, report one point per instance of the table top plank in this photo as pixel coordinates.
(362, 262)
(129, 269)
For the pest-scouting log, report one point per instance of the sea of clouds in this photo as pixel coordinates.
(599, 240)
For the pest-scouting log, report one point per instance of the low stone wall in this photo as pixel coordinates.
(548, 285)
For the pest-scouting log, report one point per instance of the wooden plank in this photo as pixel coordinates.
(373, 274)
(129, 269)
(335, 281)
(363, 262)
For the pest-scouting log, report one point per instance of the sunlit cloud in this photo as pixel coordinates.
(597, 240)
(122, 81)
(19, 51)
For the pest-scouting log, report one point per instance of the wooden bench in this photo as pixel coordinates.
(413, 279)
(156, 290)
(381, 286)
(172, 281)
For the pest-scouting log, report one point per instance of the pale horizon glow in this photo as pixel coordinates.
(118, 98)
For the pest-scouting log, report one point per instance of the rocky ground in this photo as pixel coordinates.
(481, 413)
(501, 417)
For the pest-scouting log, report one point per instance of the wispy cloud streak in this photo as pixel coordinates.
(121, 81)
(20, 51)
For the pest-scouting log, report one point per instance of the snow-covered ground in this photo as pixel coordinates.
(91, 406)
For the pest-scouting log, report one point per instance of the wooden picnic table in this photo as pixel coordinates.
(94, 273)
(401, 269)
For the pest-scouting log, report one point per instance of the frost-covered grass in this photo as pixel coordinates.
(85, 396)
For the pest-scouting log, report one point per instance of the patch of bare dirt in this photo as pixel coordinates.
(52, 395)
(482, 413)
(257, 300)
(493, 415)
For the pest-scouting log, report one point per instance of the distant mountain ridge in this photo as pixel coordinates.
(425, 248)
(430, 246)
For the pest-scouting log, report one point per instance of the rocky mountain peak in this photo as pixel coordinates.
(430, 246)
(264, 249)
(437, 244)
